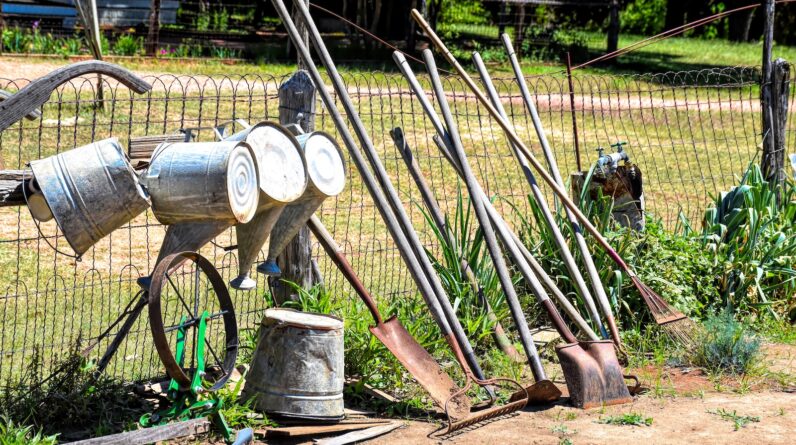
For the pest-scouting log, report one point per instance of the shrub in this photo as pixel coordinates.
(727, 345)
(644, 16)
(14, 434)
(128, 45)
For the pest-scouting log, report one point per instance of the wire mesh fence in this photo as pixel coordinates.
(691, 133)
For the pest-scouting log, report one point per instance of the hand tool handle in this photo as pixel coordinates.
(336, 254)
(512, 135)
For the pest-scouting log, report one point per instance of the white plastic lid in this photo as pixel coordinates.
(304, 319)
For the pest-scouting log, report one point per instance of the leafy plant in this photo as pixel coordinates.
(631, 419)
(12, 433)
(751, 231)
(738, 420)
(128, 45)
(727, 346)
(643, 16)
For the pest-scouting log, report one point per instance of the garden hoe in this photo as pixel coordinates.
(419, 265)
(393, 335)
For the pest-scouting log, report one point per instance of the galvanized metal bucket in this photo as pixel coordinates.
(283, 179)
(297, 369)
(327, 174)
(202, 182)
(90, 191)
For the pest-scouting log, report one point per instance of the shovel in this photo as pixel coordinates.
(395, 337)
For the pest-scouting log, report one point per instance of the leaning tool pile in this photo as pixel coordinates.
(266, 182)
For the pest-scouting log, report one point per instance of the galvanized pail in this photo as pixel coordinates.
(202, 182)
(90, 190)
(297, 367)
(283, 179)
(326, 172)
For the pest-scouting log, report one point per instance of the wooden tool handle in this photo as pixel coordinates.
(336, 254)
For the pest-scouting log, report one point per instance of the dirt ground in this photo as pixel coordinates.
(684, 406)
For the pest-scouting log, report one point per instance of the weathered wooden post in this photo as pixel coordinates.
(296, 105)
(613, 27)
(519, 27)
(774, 91)
(153, 34)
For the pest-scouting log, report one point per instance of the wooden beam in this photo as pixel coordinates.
(152, 435)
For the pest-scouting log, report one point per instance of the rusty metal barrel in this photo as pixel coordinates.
(297, 367)
(90, 191)
(326, 172)
(283, 179)
(202, 182)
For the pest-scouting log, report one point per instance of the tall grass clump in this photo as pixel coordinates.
(727, 346)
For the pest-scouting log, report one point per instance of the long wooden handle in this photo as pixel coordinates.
(336, 254)
(512, 135)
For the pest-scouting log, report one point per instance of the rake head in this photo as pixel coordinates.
(677, 325)
(483, 415)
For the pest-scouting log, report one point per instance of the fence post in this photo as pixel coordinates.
(519, 26)
(296, 105)
(775, 119)
(774, 103)
(613, 27)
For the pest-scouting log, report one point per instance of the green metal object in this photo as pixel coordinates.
(195, 401)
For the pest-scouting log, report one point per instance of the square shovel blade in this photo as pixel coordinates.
(593, 374)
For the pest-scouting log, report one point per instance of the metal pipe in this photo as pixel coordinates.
(483, 218)
(437, 302)
(588, 261)
(552, 225)
(531, 270)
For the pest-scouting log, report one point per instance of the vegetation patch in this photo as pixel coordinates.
(627, 419)
(739, 421)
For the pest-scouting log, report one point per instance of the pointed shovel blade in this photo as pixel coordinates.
(422, 366)
(540, 393)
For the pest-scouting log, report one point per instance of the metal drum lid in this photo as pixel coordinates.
(307, 320)
(279, 160)
(325, 166)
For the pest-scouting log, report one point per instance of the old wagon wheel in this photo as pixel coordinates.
(185, 286)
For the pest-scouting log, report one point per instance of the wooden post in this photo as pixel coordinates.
(153, 34)
(296, 104)
(774, 102)
(613, 27)
(519, 26)
(775, 118)
(302, 29)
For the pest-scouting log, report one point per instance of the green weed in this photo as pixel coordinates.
(629, 419)
(12, 433)
(128, 45)
(739, 421)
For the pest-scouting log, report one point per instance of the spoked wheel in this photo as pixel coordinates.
(185, 289)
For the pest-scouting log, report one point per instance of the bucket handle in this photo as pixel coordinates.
(38, 227)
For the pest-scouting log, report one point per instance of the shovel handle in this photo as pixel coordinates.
(336, 254)
(558, 322)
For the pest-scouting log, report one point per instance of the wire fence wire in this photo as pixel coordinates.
(691, 133)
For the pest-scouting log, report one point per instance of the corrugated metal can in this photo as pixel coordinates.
(203, 181)
(90, 190)
(297, 369)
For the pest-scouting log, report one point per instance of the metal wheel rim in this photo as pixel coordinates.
(164, 350)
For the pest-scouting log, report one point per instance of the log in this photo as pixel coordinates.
(11, 183)
(152, 435)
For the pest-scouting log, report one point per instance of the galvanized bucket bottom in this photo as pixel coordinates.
(297, 406)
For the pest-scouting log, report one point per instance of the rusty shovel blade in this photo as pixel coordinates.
(540, 393)
(593, 374)
(422, 366)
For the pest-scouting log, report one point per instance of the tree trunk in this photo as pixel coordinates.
(675, 14)
(153, 34)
